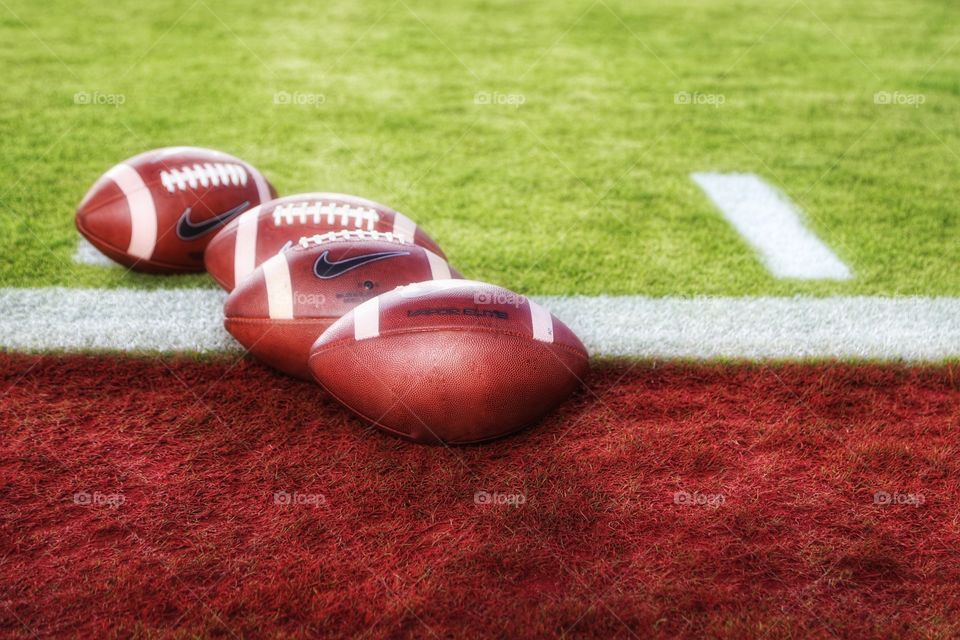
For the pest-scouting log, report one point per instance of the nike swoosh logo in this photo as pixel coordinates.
(325, 269)
(187, 229)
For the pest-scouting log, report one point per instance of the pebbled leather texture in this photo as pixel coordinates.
(443, 368)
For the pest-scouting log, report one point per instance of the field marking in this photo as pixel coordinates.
(772, 225)
(88, 254)
(913, 329)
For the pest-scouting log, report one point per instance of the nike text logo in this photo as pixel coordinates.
(325, 269)
(189, 230)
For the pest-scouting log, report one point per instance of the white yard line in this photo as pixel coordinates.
(772, 225)
(121, 319)
(88, 254)
(913, 329)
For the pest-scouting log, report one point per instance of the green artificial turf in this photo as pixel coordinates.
(582, 188)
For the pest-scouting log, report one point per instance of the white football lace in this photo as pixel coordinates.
(302, 212)
(346, 234)
(204, 175)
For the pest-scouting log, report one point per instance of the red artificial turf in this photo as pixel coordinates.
(787, 543)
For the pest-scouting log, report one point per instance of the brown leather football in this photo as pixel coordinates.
(285, 304)
(243, 244)
(157, 211)
(451, 361)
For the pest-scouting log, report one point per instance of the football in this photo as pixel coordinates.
(450, 361)
(157, 211)
(245, 242)
(285, 304)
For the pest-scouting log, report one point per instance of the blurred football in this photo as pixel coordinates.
(157, 211)
(450, 361)
(285, 304)
(244, 243)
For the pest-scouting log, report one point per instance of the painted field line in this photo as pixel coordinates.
(88, 254)
(772, 225)
(122, 319)
(913, 329)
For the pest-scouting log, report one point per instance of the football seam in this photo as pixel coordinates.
(122, 196)
(514, 334)
(97, 239)
(260, 319)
